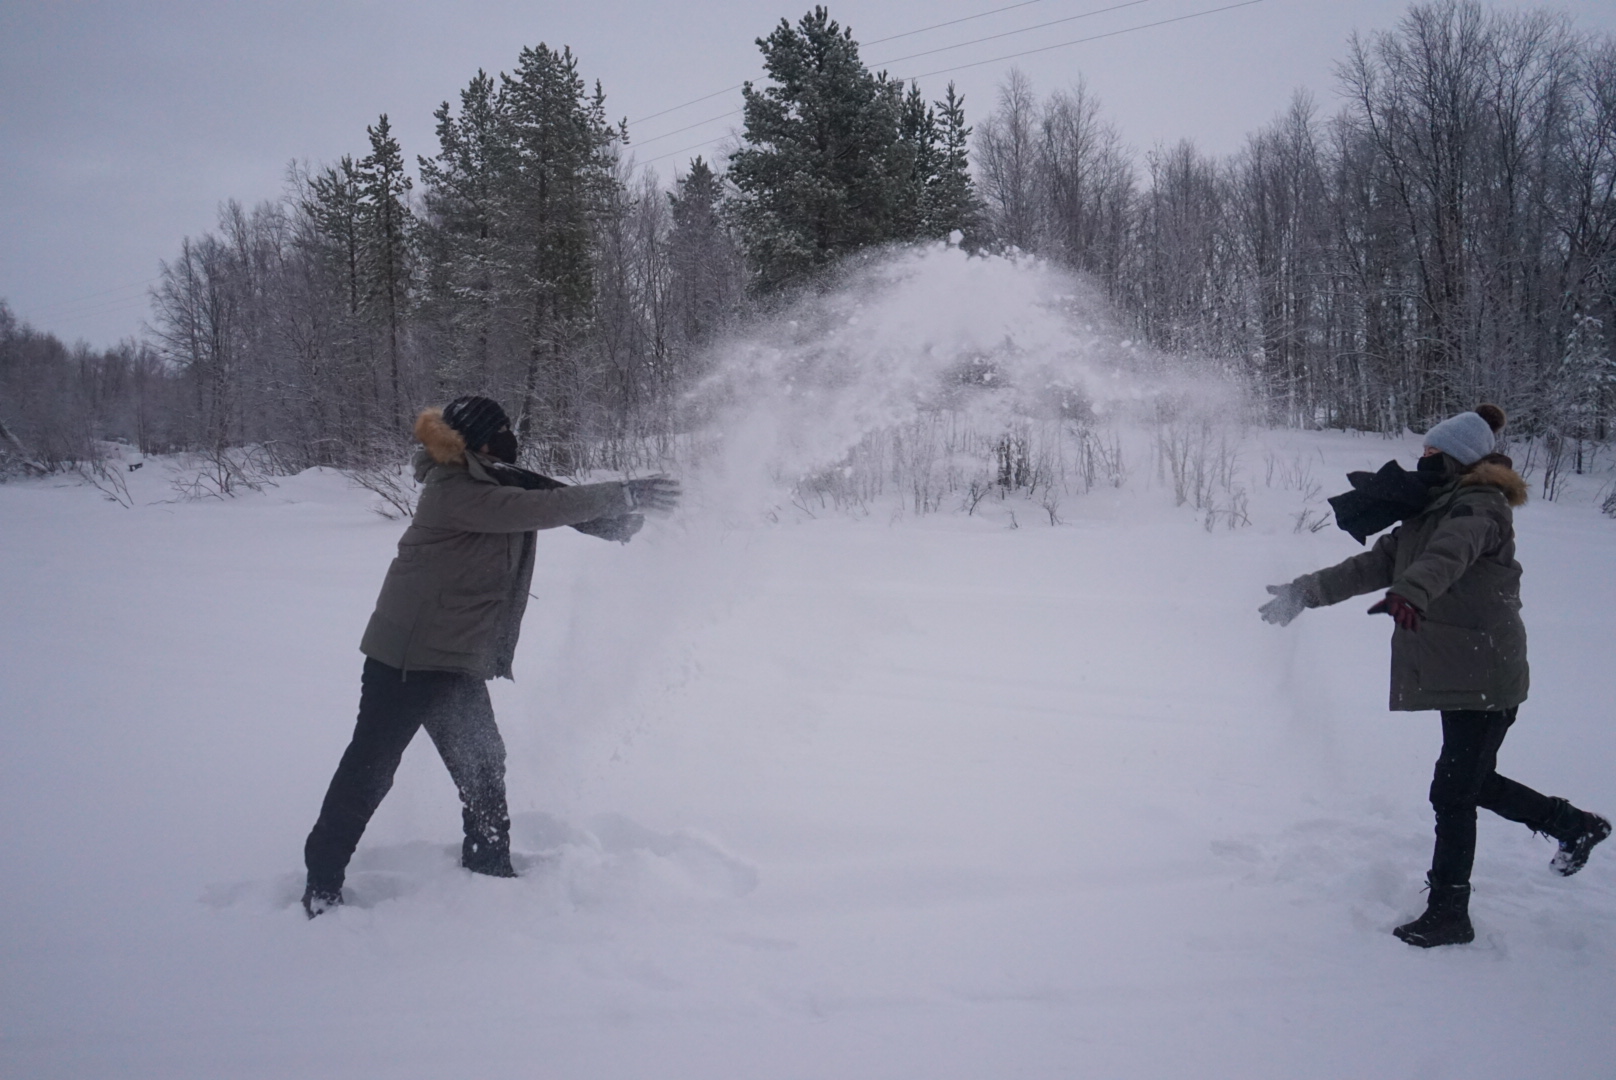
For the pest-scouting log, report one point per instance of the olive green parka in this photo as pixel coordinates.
(454, 597)
(1455, 561)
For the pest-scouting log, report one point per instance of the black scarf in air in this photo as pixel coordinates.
(1379, 500)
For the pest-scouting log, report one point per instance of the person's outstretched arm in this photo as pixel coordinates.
(489, 508)
(1365, 573)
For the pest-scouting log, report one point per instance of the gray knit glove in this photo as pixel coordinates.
(653, 494)
(621, 529)
(1289, 601)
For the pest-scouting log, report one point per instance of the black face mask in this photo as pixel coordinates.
(1434, 466)
(503, 446)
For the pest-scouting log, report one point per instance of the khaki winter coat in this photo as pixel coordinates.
(454, 597)
(1455, 561)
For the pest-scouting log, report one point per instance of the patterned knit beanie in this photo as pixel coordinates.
(1469, 436)
(476, 419)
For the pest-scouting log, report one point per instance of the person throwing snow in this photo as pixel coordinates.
(447, 620)
(1458, 644)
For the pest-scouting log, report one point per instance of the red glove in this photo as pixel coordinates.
(1405, 614)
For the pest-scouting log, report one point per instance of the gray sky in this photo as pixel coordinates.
(126, 124)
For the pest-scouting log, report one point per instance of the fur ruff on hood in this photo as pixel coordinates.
(1495, 473)
(443, 442)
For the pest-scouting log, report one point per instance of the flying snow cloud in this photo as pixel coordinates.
(990, 340)
(905, 381)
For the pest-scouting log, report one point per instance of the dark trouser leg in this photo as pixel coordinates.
(1470, 742)
(389, 714)
(1467, 777)
(462, 727)
(1517, 802)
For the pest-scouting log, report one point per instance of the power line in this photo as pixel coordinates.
(1008, 56)
(953, 22)
(676, 153)
(686, 105)
(97, 295)
(1013, 33)
(877, 41)
(1080, 41)
(679, 131)
(912, 56)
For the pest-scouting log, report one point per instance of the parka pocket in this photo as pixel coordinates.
(1450, 659)
(464, 622)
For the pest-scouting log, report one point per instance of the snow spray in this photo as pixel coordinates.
(918, 375)
(841, 381)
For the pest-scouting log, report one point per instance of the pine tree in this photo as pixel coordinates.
(705, 263)
(820, 173)
(384, 215)
(1584, 383)
(954, 203)
(556, 176)
(917, 156)
(461, 191)
(334, 206)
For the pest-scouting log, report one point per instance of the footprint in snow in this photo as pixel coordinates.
(613, 859)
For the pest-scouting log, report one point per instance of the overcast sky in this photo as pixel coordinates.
(126, 124)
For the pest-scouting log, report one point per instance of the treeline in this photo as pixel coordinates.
(1448, 235)
(55, 402)
(527, 260)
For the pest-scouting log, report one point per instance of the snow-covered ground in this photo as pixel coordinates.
(845, 796)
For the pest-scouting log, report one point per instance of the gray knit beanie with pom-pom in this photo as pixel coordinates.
(1469, 436)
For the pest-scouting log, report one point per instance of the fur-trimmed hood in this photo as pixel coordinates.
(1497, 474)
(443, 442)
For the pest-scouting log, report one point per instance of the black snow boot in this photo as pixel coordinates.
(487, 847)
(1446, 920)
(318, 900)
(1578, 831)
(492, 858)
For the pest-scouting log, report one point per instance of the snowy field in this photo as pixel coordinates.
(850, 796)
(807, 786)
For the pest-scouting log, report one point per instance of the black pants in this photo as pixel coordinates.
(1467, 777)
(459, 718)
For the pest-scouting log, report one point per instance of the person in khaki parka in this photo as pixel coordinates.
(1458, 645)
(447, 620)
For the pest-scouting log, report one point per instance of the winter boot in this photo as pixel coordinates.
(1446, 920)
(487, 847)
(318, 900)
(490, 857)
(1578, 831)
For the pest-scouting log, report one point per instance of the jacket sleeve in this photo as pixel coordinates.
(1365, 573)
(1460, 539)
(492, 508)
